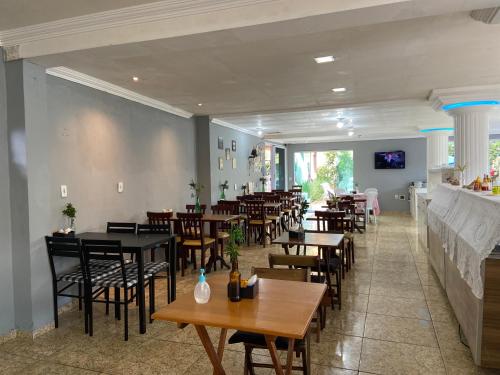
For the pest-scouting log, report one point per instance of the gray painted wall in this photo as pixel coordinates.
(89, 141)
(388, 182)
(7, 321)
(238, 176)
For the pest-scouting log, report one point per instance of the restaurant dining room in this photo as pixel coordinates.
(250, 187)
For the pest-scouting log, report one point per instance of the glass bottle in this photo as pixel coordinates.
(234, 282)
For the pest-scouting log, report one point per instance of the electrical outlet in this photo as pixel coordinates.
(64, 191)
(120, 187)
(235, 187)
(396, 196)
(402, 197)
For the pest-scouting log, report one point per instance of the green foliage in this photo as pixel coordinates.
(233, 246)
(69, 211)
(196, 188)
(494, 155)
(304, 206)
(329, 171)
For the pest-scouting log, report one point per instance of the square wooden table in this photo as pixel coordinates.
(281, 308)
(322, 239)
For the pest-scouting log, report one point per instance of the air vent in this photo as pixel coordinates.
(489, 15)
(273, 133)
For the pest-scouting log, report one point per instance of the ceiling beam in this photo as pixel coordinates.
(160, 20)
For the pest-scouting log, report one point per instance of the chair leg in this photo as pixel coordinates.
(54, 301)
(125, 312)
(89, 310)
(117, 304)
(169, 297)
(151, 298)
(106, 297)
(304, 361)
(79, 297)
(264, 235)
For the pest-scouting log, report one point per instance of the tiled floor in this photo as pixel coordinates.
(395, 320)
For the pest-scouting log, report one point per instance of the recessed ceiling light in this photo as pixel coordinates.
(259, 133)
(350, 133)
(340, 124)
(324, 59)
(135, 79)
(200, 104)
(339, 89)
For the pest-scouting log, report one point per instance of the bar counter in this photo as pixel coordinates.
(463, 236)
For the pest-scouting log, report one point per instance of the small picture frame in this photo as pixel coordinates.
(220, 143)
(233, 145)
(234, 163)
(221, 164)
(228, 153)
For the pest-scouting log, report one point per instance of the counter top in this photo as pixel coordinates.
(468, 224)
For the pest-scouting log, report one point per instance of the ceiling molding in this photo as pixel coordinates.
(440, 97)
(98, 84)
(151, 12)
(346, 140)
(489, 15)
(234, 127)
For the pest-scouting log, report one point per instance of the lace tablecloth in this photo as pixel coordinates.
(468, 225)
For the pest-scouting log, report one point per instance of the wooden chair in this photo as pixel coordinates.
(286, 206)
(223, 229)
(253, 341)
(190, 208)
(193, 238)
(312, 264)
(116, 227)
(350, 209)
(274, 214)
(257, 222)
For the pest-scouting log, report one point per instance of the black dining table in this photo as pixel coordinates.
(138, 244)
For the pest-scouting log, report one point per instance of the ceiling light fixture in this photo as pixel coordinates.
(350, 133)
(135, 79)
(200, 104)
(259, 133)
(324, 59)
(339, 89)
(340, 124)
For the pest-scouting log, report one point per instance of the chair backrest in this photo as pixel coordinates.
(190, 208)
(273, 198)
(371, 189)
(68, 247)
(330, 221)
(103, 250)
(222, 209)
(190, 225)
(304, 261)
(114, 227)
(153, 229)
(159, 218)
(255, 210)
(285, 201)
(297, 187)
(301, 274)
(339, 191)
(347, 206)
(370, 197)
(235, 205)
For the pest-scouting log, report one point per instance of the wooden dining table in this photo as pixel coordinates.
(213, 220)
(323, 239)
(281, 308)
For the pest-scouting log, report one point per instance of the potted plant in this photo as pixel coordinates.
(299, 233)
(244, 189)
(70, 212)
(223, 187)
(196, 189)
(461, 169)
(232, 249)
(263, 181)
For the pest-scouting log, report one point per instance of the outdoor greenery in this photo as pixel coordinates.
(493, 153)
(337, 171)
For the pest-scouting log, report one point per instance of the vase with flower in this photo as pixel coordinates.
(196, 189)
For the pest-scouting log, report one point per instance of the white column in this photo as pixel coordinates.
(471, 140)
(437, 148)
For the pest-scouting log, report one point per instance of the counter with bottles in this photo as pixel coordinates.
(463, 237)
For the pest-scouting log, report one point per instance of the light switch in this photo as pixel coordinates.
(64, 191)
(120, 187)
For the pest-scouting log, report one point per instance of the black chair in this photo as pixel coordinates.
(155, 267)
(124, 278)
(116, 227)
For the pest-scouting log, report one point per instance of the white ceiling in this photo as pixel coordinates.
(267, 72)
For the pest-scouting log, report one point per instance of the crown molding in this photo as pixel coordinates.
(440, 97)
(234, 127)
(98, 84)
(489, 15)
(151, 12)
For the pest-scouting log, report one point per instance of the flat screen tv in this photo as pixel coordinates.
(390, 160)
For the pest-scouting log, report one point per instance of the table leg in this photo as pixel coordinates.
(172, 255)
(216, 257)
(209, 348)
(222, 343)
(140, 291)
(285, 247)
(270, 341)
(289, 357)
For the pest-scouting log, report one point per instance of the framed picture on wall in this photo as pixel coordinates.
(220, 143)
(221, 164)
(233, 145)
(228, 153)
(234, 163)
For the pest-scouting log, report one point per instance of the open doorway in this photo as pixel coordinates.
(323, 172)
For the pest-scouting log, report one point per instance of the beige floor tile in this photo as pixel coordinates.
(397, 290)
(402, 307)
(435, 293)
(382, 357)
(326, 370)
(448, 336)
(404, 330)
(399, 277)
(45, 368)
(441, 312)
(459, 363)
(346, 322)
(354, 302)
(11, 363)
(342, 351)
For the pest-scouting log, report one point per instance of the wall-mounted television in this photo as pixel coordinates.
(390, 160)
